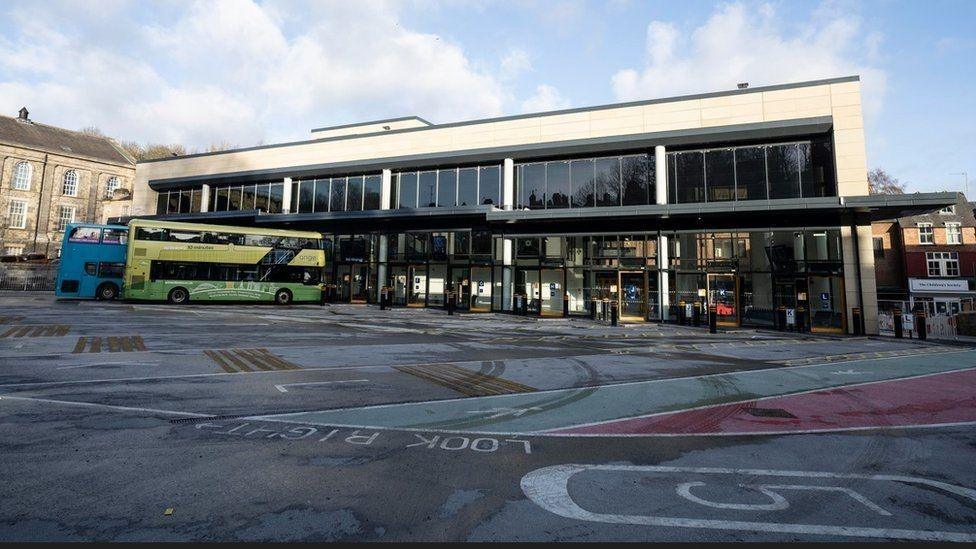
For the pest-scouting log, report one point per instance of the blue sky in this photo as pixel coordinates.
(247, 72)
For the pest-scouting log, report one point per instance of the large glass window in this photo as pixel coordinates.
(690, 177)
(607, 181)
(428, 190)
(447, 188)
(222, 199)
(637, 172)
(338, 201)
(354, 194)
(262, 198)
(174, 203)
(489, 185)
(186, 201)
(23, 172)
(720, 174)
(783, 164)
(372, 187)
(248, 198)
(467, 187)
(407, 188)
(69, 185)
(532, 186)
(750, 170)
(322, 191)
(276, 197)
(558, 188)
(306, 196)
(583, 183)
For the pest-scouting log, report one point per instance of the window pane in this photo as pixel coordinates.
(820, 180)
(532, 186)
(408, 190)
(447, 188)
(174, 202)
(720, 175)
(607, 180)
(306, 196)
(557, 184)
(428, 190)
(354, 194)
(672, 185)
(372, 188)
(690, 177)
(489, 185)
(195, 200)
(582, 177)
(338, 203)
(750, 171)
(784, 171)
(276, 197)
(635, 186)
(186, 197)
(162, 201)
(242, 199)
(223, 199)
(262, 198)
(84, 234)
(468, 187)
(322, 191)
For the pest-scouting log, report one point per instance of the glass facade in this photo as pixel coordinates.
(447, 188)
(585, 183)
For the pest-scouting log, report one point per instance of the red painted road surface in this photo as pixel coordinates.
(929, 400)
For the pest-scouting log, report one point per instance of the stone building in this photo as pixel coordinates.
(51, 176)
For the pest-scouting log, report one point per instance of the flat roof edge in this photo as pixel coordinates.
(371, 122)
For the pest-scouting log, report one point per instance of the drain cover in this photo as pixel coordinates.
(769, 412)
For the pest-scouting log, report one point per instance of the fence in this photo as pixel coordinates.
(937, 326)
(28, 277)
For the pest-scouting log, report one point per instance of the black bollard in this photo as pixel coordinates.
(920, 327)
(899, 324)
(856, 318)
(613, 313)
(801, 320)
(712, 319)
(565, 305)
(696, 314)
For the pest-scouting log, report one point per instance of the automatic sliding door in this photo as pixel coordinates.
(633, 296)
(826, 300)
(481, 289)
(723, 294)
(551, 298)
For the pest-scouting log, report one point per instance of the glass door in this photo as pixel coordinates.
(481, 289)
(633, 296)
(826, 300)
(552, 292)
(416, 286)
(399, 282)
(358, 283)
(461, 286)
(343, 283)
(527, 284)
(723, 294)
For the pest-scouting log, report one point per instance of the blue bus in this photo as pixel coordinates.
(92, 261)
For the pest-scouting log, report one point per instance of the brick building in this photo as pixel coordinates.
(927, 260)
(51, 176)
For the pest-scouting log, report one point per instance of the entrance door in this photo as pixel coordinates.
(527, 284)
(723, 294)
(552, 292)
(481, 289)
(461, 286)
(358, 283)
(826, 302)
(633, 296)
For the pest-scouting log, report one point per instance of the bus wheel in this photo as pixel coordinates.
(178, 296)
(283, 297)
(107, 291)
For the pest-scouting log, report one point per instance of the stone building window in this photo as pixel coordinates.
(110, 186)
(953, 233)
(66, 214)
(17, 214)
(22, 176)
(69, 186)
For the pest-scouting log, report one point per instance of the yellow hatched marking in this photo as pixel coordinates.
(465, 381)
(80, 346)
(96, 345)
(220, 361)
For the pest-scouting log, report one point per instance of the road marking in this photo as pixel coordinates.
(548, 488)
(465, 381)
(116, 344)
(779, 503)
(249, 360)
(283, 385)
(502, 412)
(107, 406)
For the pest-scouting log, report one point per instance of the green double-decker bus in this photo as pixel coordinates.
(182, 262)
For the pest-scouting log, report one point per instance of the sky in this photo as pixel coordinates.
(247, 72)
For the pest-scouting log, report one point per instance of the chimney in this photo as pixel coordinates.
(22, 115)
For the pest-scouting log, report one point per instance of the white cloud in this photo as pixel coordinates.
(743, 43)
(546, 98)
(243, 71)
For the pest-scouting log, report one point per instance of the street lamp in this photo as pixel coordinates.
(966, 175)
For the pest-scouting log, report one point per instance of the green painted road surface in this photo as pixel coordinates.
(537, 412)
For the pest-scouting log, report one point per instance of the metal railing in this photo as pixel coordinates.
(37, 278)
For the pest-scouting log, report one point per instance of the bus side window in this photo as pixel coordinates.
(114, 236)
(84, 234)
(150, 233)
(90, 269)
(110, 270)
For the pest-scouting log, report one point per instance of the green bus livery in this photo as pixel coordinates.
(181, 262)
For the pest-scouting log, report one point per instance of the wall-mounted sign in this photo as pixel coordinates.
(946, 285)
(824, 296)
(790, 317)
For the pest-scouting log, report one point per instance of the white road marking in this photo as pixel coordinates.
(779, 502)
(108, 406)
(850, 372)
(283, 390)
(502, 412)
(549, 489)
(130, 363)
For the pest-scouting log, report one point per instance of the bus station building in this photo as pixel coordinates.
(750, 200)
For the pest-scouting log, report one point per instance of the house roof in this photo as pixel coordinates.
(60, 141)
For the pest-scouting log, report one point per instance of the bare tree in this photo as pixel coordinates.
(881, 182)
